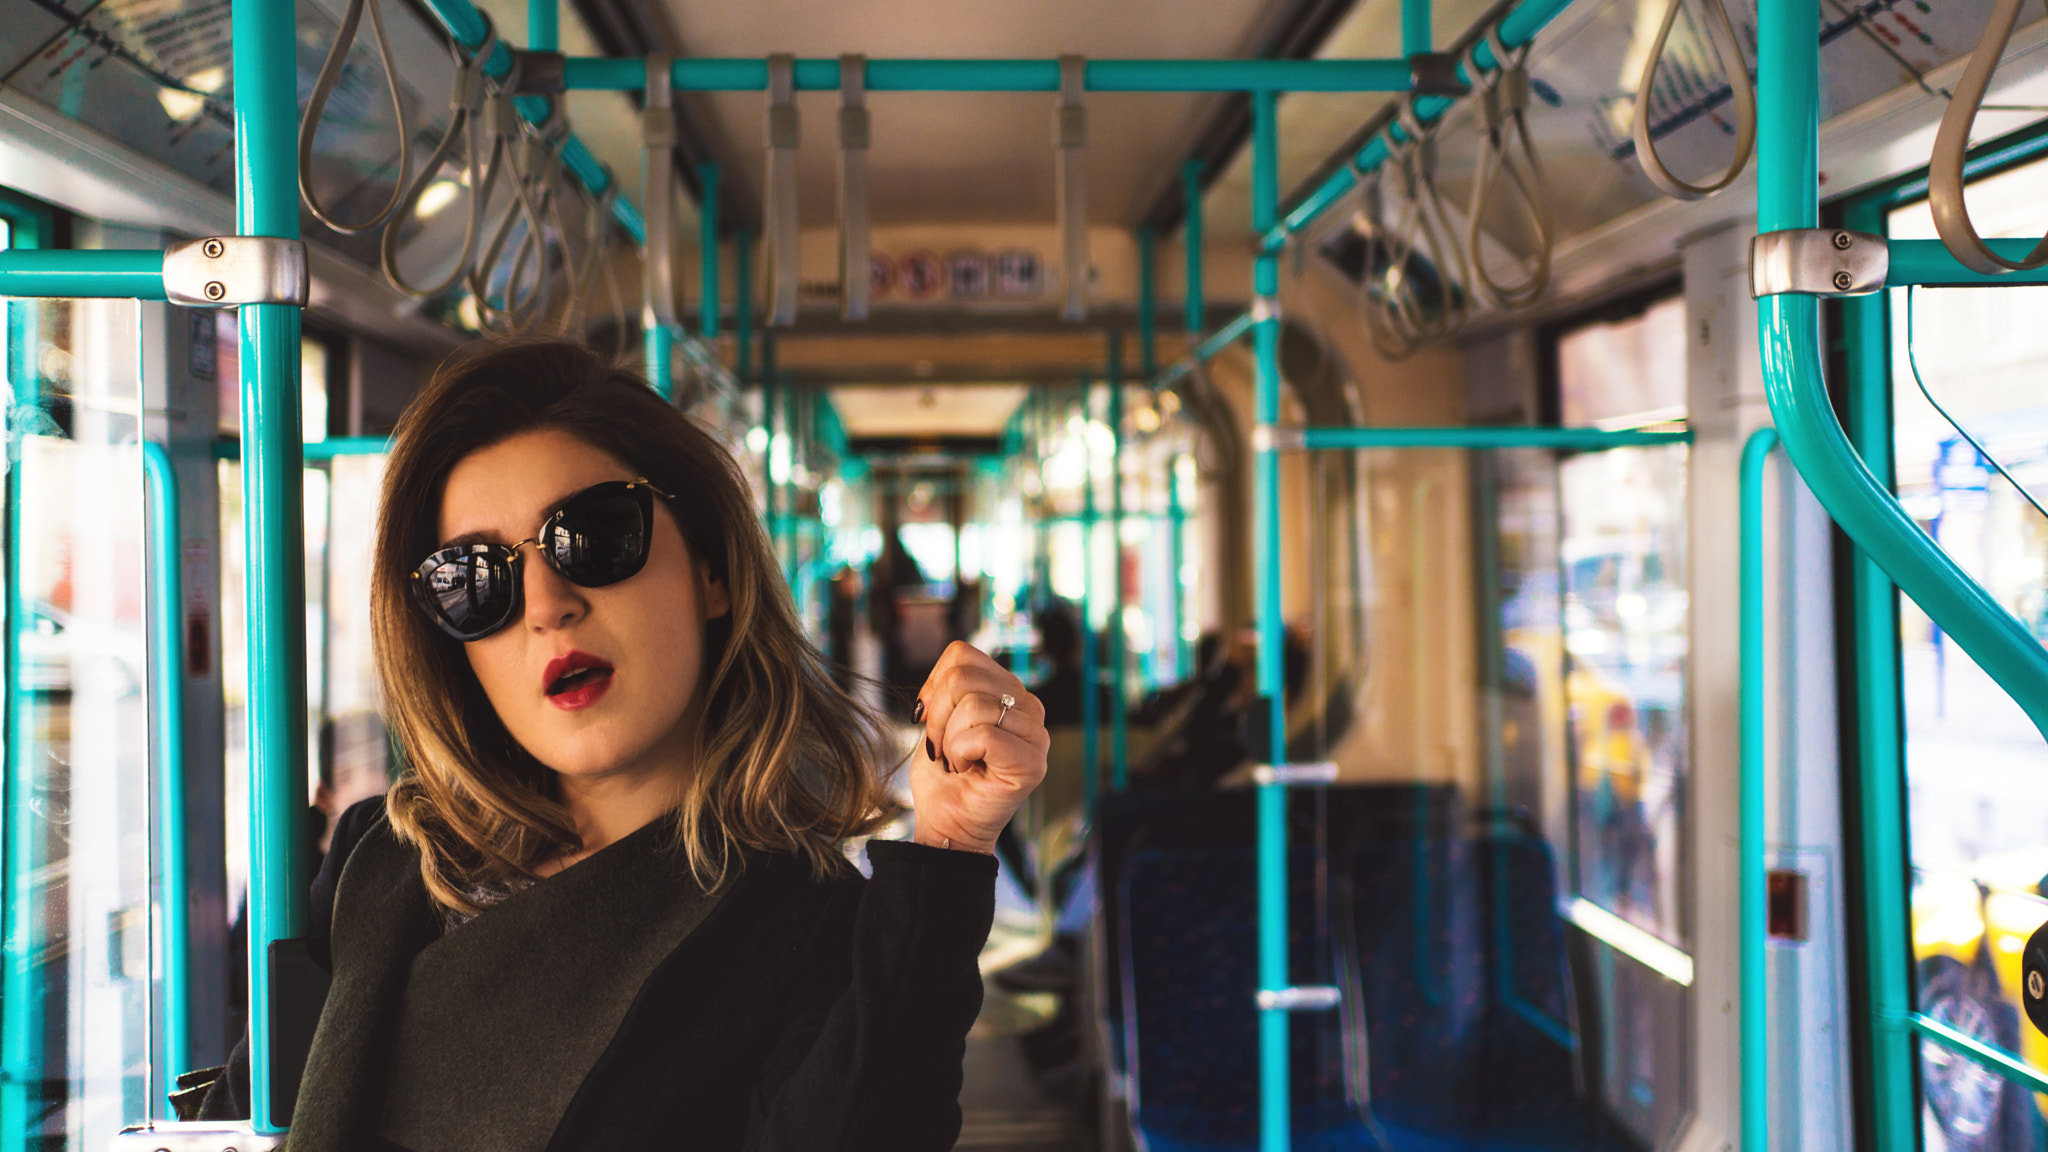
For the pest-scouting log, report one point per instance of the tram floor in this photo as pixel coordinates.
(1002, 1107)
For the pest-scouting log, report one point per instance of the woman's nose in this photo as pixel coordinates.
(551, 600)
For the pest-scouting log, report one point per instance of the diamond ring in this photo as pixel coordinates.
(1008, 702)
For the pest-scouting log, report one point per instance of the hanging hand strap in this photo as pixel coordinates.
(465, 107)
(316, 107)
(1952, 146)
(1070, 172)
(1728, 51)
(854, 253)
(1503, 104)
(658, 139)
(778, 212)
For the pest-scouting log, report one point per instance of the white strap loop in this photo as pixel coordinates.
(778, 215)
(1504, 100)
(1070, 171)
(854, 249)
(1728, 52)
(658, 170)
(1952, 146)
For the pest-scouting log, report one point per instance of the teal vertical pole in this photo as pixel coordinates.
(772, 495)
(1176, 526)
(543, 26)
(743, 303)
(1756, 455)
(1119, 642)
(1091, 664)
(23, 990)
(1191, 192)
(1880, 820)
(267, 204)
(707, 248)
(1416, 35)
(660, 363)
(1274, 1075)
(167, 684)
(1148, 304)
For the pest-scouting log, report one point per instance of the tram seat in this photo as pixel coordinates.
(1188, 961)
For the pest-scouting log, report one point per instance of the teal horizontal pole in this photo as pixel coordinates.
(1929, 263)
(822, 75)
(1517, 28)
(73, 273)
(1590, 439)
(1206, 351)
(348, 446)
(1995, 1060)
(1754, 1030)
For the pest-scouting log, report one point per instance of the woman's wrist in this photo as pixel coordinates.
(934, 837)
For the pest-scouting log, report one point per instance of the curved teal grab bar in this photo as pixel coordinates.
(1870, 514)
(1756, 454)
(167, 674)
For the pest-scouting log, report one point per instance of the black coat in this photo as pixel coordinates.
(619, 1006)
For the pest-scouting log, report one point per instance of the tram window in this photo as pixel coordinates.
(1592, 734)
(1976, 769)
(76, 985)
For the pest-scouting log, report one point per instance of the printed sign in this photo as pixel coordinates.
(922, 275)
(1019, 275)
(881, 275)
(969, 273)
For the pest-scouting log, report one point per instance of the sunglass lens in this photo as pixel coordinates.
(600, 538)
(474, 594)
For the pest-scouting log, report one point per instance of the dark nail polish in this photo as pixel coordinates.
(931, 752)
(917, 712)
(946, 764)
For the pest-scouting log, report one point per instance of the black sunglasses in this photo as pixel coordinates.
(597, 537)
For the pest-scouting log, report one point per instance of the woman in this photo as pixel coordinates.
(606, 906)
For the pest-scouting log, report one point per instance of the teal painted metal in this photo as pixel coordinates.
(1274, 1074)
(466, 25)
(73, 273)
(1885, 954)
(1416, 34)
(1191, 243)
(22, 989)
(1756, 454)
(167, 687)
(1148, 304)
(743, 303)
(1517, 28)
(1206, 351)
(1588, 439)
(822, 75)
(707, 250)
(1928, 262)
(267, 204)
(1998, 1060)
(544, 25)
(660, 344)
(1790, 337)
(1119, 640)
(1091, 653)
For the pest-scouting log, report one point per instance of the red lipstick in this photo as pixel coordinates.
(576, 680)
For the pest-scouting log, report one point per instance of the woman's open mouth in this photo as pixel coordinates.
(576, 680)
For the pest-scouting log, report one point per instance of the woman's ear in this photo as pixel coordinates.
(717, 597)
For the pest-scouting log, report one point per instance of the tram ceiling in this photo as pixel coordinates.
(975, 157)
(848, 358)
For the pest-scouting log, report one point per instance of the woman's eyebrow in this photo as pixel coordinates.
(469, 538)
(465, 540)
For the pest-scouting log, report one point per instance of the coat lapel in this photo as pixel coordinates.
(500, 1021)
(388, 918)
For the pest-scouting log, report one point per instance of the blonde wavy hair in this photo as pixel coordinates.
(786, 760)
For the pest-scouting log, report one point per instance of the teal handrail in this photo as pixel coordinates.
(1589, 439)
(167, 685)
(1756, 455)
(1206, 351)
(1790, 338)
(708, 176)
(1191, 242)
(1928, 263)
(1788, 68)
(822, 75)
(267, 204)
(78, 273)
(1517, 28)
(1275, 1122)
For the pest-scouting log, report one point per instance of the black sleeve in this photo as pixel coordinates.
(874, 1059)
(228, 1098)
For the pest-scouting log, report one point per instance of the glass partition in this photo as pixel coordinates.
(1976, 768)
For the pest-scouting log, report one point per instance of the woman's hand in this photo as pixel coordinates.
(977, 762)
